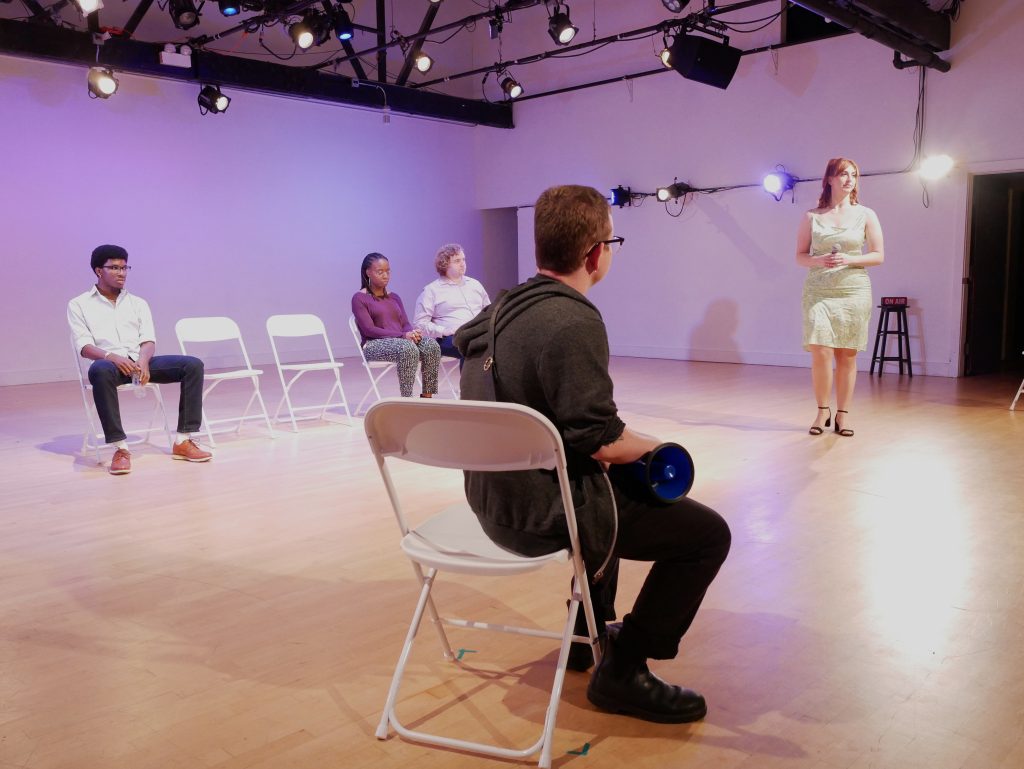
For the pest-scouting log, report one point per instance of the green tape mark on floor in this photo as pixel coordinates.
(465, 651)
(581, 752)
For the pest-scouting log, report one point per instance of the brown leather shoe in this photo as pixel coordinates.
(190, 452)
(121, 464)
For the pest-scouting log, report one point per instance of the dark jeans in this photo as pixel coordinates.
(163, 369)
(449, 349)
(687, 543)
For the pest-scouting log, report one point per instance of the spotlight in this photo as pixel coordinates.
(311, 30)
(495, 25)
(211, 99)
(666, 57)
(422, 62)
(560, 26)
(673, 191)
(230, 7)
(102, 83)
(343, 28)
(621, 196)
(511, 87)
(184, 13)
(89, 6)
(675, 6)
(935, 167)
(778, 182)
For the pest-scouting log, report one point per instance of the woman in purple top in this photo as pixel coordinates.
(386, 332)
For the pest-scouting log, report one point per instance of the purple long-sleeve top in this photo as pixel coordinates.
(379, 317)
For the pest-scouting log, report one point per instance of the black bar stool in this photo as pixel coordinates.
(892, 305)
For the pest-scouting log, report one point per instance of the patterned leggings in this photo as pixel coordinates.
(407, 354)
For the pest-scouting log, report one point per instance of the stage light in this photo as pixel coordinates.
(675, 6)
(673, 191)
(102, 83)
(511, 87)
(184, 13)
(704, 60)
(343, 28)
(666, 57)
(312, 29)
(778, 182)
(211, 99)
(935, 167)
(89, 6)
(495, 25)
(560, 26)
(230, 7)
(422, 62)
(621, 196)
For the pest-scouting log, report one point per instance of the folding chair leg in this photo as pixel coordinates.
(396, 679)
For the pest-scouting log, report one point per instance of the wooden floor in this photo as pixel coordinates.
(248, 612)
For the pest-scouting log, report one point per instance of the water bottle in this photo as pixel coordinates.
(137, 387)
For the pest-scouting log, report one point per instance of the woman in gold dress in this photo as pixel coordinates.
(836, 242)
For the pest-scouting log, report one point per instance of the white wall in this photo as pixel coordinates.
(719, 283)
(268, 208)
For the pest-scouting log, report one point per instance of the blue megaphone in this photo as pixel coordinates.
(665, 474)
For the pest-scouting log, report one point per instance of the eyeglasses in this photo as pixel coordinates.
(613, 243)
(115, 268)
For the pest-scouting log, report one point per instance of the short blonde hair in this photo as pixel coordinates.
(444, 257)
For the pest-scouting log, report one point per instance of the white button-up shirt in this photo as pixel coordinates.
(118, 327)
(445, 305)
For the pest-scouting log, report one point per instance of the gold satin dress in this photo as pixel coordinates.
(837, 300)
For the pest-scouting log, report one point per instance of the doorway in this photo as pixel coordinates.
(994, 316)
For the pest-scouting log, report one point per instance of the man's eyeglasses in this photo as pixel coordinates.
(613, 243)
(117, 268)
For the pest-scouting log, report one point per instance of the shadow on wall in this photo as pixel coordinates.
(738, 235)
(714, 338)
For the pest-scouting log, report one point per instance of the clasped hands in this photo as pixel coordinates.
(128, 367)
(414, 336)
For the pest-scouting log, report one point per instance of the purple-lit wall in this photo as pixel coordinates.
(266, 209)
(720, 283)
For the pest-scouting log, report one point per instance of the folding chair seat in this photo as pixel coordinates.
(304, 325)
(93, 437)
(473, 435)
(221, 329)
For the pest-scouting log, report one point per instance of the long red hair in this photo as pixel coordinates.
(834, 168)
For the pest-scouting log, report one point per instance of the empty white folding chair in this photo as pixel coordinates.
(221, 329)
(481, 436)
(304, 325)
(92, 439)
(1020, 390)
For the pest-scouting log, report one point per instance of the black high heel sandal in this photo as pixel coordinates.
(846, 432)
(815, 430)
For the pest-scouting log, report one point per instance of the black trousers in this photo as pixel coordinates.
(687, 542)
(105, 377)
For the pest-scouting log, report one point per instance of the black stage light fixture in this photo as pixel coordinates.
(675, 6)
(102, 83)
(312, 29)
(703, 60)
(673, 191)
(495, 25)
(230, 7)
(560, 26)
(212, 99)
(343, 28)
(512, 87)
(621, 196)
(422, 62)
(184, 13)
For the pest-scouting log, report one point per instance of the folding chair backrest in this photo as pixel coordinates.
(466, 435)
(295, 325)
(211, 329)
(83, 376)
(354, 328)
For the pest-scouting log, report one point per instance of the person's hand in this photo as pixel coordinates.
(143, 372)
(836, 259)
(414, 335)
(125, 365)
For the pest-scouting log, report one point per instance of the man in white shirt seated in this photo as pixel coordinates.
(114, 329)
(451, 300)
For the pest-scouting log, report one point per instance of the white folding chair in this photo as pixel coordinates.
(92, 439)
(304, 325)
(1016, 397)
(450, 367)
(382, 366)
(221, 329)
(481, 436)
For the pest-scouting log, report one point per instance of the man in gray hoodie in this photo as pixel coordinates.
(544, 345)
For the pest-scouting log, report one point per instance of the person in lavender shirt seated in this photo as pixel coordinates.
(449, 301)
(386, 332)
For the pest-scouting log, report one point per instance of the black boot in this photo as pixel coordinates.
(624, 684)
(581, 656)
